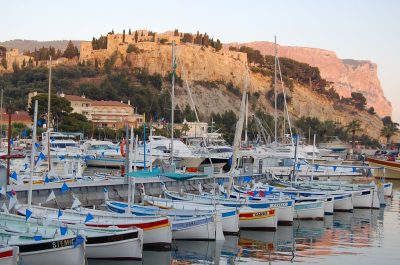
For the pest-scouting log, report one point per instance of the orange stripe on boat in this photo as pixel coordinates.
(257, 215)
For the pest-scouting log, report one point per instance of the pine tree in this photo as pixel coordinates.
(123, 36)
(112, 32)
(130, 32)
(71, 51)
(23, 63)
(218, 45)
(176, 33)
(136, 36)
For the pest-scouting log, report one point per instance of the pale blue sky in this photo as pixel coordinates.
(368, 30)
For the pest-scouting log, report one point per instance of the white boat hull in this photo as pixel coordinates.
(230, 225)
(198, 232)
(309, 211)
(343, 204)
(363, 201)
(285, 215)
(328, 206)
(99, 162)
(125, 249)
(9, 256)
(60, 256)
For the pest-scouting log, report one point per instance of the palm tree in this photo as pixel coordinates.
(353, 127)
(388, 131)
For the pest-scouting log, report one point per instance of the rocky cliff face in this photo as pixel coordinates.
(205, 64)
(347, 75)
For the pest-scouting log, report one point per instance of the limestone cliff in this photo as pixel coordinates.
(199, 64)
(347, 75)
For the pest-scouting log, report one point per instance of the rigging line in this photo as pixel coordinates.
(284, 97)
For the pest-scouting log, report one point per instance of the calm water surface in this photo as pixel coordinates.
(362, 237)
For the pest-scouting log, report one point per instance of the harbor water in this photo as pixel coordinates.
(362, 237)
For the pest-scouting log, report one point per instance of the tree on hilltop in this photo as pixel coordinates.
(130, 32)
(218, 45)
(136, 36)
(71, 51)
(123, 35)
(176, 33)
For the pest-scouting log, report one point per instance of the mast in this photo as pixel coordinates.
(32, 153)
(276, 102)
(172, 101)
(238, 135)
(1, 118)
(9, 142)
(150, 146)
(49, 119)
(246, 120)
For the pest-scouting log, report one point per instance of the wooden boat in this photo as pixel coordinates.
(61, 250)
(230, 217)
(284, 208)
(101, 243)
(392, 168)
(186, 224)
(156, 230)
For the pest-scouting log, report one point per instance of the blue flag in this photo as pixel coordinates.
(37, 145)
(298, 166)
(334, 168)
(64, 188)
(41, 156)
(105, 189)
(12, 141)
(62, 157)
(316, 167)
(28, 214)
(78, 241)
(354, 169)
(46, 179)
(14, 175)
(63, 230)
(117, 149)
(59, 214)
(25, 166)
(89, 217)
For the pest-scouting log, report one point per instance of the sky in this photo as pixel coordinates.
(364, 30)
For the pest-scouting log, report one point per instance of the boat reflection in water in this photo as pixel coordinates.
(339, 234)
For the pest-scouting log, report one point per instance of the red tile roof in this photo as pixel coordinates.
(109, 103)
(76, 98)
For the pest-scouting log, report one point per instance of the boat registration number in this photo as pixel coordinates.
(63, 243)
(260, 214)
(278, 205)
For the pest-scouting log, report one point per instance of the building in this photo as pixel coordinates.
(114, 114)
(104, 113)
(196, 129)
(17, 117)
(80, 104)
(13, 56)
(117, 42)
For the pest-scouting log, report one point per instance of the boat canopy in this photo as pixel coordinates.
(157, 173)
